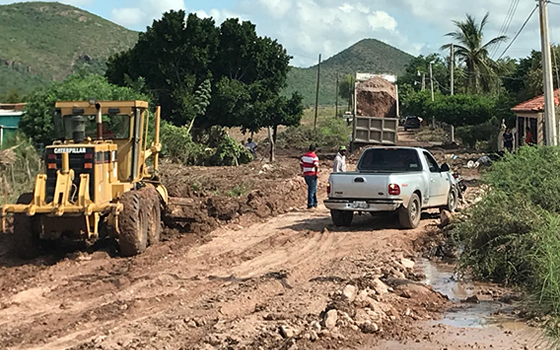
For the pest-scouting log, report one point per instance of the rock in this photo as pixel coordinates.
(355, 328)
(330, 319)
(192, 324)
(349, 292)
(446, 218)
(472, 300)
(397, 274)
(313, 336)
(286, 331)
(407, 263)
(369, 327)
(325, 230)
(316, 326)
(379, 287)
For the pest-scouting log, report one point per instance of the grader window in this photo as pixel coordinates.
(115, 127)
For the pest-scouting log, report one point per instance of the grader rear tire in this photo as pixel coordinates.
(26, 236)
(133, 224)
(151, 197)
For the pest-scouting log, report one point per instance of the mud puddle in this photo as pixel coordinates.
(470, 310)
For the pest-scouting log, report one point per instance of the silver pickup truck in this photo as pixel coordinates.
(400, 179)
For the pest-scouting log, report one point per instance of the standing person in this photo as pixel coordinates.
(339, 165)
(252, 146)
(529, 136)
(508, 140)
(310, 169)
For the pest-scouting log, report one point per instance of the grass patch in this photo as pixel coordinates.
(239, 190)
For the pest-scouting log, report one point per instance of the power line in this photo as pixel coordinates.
(505, 26)
(519, 31)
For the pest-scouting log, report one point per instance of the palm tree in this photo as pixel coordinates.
(469, 48)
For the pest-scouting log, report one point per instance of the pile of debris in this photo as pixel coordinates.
(376, 97)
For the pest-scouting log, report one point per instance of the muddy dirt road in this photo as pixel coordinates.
(246, 280)
(265, 286)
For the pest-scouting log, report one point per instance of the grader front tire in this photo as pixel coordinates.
(26, 236)
(133, 224)
(152, 200)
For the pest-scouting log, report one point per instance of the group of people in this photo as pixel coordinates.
(310, 169)
(508, 139)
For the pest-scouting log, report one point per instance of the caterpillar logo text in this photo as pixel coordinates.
(76, 150)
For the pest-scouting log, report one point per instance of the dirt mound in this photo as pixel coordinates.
(376, 97)
(204, 198)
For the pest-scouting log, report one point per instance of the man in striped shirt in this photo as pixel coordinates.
(310, 168)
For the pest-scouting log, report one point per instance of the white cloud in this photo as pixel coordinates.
(276, 8)
(144, 12)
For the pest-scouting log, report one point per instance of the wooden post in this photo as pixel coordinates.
(317, 94)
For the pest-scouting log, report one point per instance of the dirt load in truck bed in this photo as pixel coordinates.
(376, 97)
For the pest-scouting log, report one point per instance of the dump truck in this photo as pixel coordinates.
(376, 110)
(98, 182)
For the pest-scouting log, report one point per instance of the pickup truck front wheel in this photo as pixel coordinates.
(342, 218)
(409, 217)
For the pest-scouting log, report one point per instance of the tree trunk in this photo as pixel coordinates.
(275, 133)
(272, 144)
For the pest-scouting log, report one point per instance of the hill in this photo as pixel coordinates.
(368, 55)
(46, 41)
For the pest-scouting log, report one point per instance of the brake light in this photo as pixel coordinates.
(52, 156)
(394, 190)
(329, 188)
(88, 156)
(88, 166)
(51, 166)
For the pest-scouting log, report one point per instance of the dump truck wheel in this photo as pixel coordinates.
(26, 236)
(154, 214)
(133, 224)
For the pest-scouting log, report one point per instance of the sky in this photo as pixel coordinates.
(307, 28)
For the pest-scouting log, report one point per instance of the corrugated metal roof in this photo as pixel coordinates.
(536, 104)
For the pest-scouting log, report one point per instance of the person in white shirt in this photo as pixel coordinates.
(339, 165)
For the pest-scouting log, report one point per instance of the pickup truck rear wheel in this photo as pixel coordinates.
(409, 217)
(342, 218)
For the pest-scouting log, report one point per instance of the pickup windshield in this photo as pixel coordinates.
(384, 160)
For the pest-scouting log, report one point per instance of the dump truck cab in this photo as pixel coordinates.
(98, 162)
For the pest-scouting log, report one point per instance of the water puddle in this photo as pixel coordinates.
(463, 314)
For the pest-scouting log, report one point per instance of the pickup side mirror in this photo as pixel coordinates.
(444, 167)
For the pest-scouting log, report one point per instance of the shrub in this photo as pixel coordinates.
(487, 132)
(217, 148)
(512, 235)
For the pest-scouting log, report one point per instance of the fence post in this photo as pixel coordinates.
(452, 134)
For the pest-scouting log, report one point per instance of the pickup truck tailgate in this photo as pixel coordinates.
(359, 186)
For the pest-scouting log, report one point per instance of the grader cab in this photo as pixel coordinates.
(97, 182)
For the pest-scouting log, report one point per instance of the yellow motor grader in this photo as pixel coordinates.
(97, 182)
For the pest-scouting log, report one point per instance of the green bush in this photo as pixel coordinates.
(487, 132)
(512, 235)
(329, 136)
(213, 147)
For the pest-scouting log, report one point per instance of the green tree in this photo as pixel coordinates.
(470, 49)
(12, 96)
(346, 89)
(38, 122)
(174, 57)
(247, 72)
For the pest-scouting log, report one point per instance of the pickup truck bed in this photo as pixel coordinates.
(392, 179)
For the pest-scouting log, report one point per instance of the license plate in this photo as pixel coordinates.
(360, 205)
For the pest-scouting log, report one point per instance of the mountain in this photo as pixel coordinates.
(366, 56)
(45, 41)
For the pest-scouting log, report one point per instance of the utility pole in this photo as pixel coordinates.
(317, 95)
(336, 106)
(549, 110)
(452, 69)
(432, 80)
